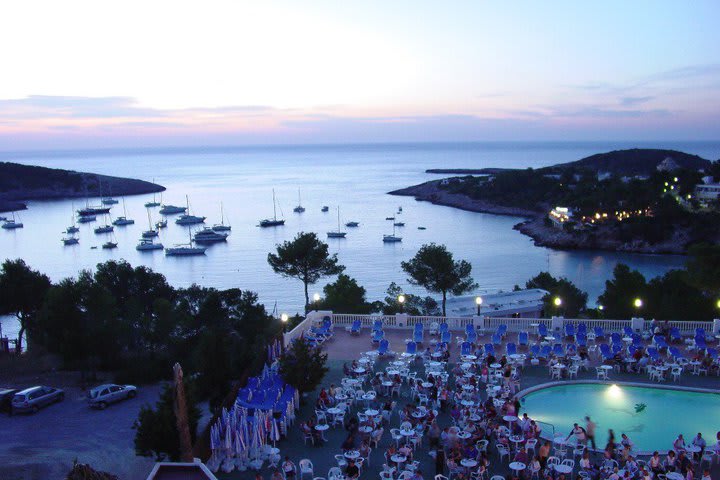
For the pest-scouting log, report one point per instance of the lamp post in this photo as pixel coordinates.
(401, 301)
(284, 319)
(557, 301)
(478, 302)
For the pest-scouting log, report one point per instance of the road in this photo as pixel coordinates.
(44, 445)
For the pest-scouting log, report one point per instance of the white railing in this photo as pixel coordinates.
(489, 324)
(688, 327)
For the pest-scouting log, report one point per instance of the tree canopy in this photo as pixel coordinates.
(414, 304)
(303, 365)
(22, 291)
(434, 269)
(573, 300)
(306, 258)
(618, 299)
(345, 295)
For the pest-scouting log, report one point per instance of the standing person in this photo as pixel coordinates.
(610, 447)
(440, 461)
(590, 431)
(579, 433)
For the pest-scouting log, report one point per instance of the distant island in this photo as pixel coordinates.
(638, 200)
(25, 182)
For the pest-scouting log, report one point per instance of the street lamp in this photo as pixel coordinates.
(316, 297)
(638, 303)
(401, 301)
(284, 319)
(478, 302)
(718, 304)
(557, 301)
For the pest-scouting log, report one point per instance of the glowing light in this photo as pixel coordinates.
(614, 391)
(718, 304)
(557, 301)
(600, 307)
(316, 297)
(401, 299)
(478, 300)
(675, 179)
(284, 317)
(638, 302)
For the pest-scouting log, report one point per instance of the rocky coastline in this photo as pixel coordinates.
(19, 183)
(535, 227)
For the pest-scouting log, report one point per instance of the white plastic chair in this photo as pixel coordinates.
(335, 472)
(306, 467)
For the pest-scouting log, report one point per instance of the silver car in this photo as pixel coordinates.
(34, 398)
(102, 396)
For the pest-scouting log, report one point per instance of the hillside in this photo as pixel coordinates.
(636, 161)
(25, 182)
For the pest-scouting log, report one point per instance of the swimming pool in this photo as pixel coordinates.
(651, 417)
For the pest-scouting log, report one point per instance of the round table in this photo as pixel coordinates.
(674, 476)
(495, 365)
(427, 385)
(606, 367)
(467, 403)
(392, 372)
(518, 467)
(434, 364)
(516, 356)
(364, 361)
(510, 418)
(517, 440)
(365, 429)
(692, 448)
(560, 468)
(418, 414)
(560, 440)
(463, 435)
(407, 433)
(468, 388)
(334, 411)
(372, 353)
(322, 428)
(399, 459)
(627, 339)
(371, 412)
(436, 355)
(359, 370)
(468, 462)
(550, 338)
(466, 365)
(352, 454)
(470, 357)
(398, 363)
(341, 397)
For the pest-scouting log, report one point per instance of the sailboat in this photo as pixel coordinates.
(72, 228)
(185, 249)
(12, 224)
(161, 223)
(104, 228)
(86, 218)
(186, 218)
(392, 238)
(154, 202)
(208, 235)
(274, 222)
(338, 233)
(171, 209)
(149, 233)
(222, 227)
(352, 224)
(147, 244)
(325, 208)
(299, 208)
(70, 240)
(122, 221)
(399, 224)
(109, 245)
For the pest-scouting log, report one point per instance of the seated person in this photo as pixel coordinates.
(352, 470)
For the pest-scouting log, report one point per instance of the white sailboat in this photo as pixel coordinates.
(122, 221)
(72, 228)
(274, 222)
(338, 233)
(150, 233)
(147, 244)
(104, 228)
(12, 224)
(222, 227)
(187, 218)
(392, 238)
(299, 208)
(184, 250)
(154, 202)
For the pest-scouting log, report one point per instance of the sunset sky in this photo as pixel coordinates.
(158, 73)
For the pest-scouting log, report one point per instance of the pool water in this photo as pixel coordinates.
(651, 417)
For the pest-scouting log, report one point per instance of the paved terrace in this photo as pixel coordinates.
(343, 348)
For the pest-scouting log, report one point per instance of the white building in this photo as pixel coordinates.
(707, 192)
(521, 304)
(559, 216)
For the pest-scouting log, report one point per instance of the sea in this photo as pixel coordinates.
(355, 179)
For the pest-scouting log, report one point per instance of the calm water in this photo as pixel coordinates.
(614, 407)
(356, 178)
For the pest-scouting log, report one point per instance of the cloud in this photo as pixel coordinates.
(631, 101)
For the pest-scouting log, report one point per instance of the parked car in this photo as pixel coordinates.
(6, 396)
(102, 396)
(34, 398)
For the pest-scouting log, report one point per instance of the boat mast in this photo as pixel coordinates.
(274, 208)
(222, 216)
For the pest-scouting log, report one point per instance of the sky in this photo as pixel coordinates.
(173, 73)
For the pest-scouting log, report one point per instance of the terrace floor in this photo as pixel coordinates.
(344, 348)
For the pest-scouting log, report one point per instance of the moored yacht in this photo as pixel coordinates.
(392, 238)
(146, 244)
(208, 235)
(171, 209)
(338, 233)
(187, 219)
(122, 221)
(222, 227)
(87, 219)
(352, 224)
(12, 224)
(299, 208)
(274, 222)
(71, 240)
